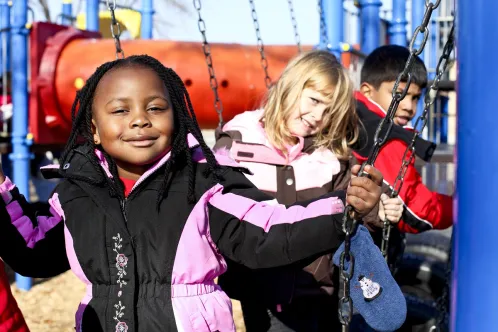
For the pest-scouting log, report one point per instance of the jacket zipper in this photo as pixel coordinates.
(123, 211)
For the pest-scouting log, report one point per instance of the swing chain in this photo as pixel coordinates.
(261, 48)
(442, 303)
(115, 29)
(386, 234)
(421, 122)
(349, 222)
(323, 25)
(294, 25)
(206, 48)
(422, 28)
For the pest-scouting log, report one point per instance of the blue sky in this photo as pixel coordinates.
(230, 20)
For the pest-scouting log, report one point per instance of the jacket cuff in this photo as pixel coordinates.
(5, 189)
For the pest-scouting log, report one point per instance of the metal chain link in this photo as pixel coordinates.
(324, 38)
(261, 48)
(294, 25)
(429, 99)
(206, 48)
(443, 301)
(386, 234)
(349, 223)
(115, 29)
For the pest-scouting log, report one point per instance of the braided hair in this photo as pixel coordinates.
(184, 119)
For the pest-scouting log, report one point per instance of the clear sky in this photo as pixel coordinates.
(230, 20)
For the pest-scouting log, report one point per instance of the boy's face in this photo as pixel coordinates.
(383, 96)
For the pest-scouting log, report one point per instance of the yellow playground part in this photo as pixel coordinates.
(129, 20)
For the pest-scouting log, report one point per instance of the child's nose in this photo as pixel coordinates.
(318, 115)
(140, 121)
(407, 104)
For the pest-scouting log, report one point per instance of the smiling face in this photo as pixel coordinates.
(307, 119)
(383, 96)
(312, 97)
(133, 118)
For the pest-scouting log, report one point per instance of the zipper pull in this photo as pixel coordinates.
(123, 209)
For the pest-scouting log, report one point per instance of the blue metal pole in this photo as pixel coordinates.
(474, 293)
(370, 18)
(92, 15)
(397, 26)
(443, 138)
(418, 10)
(333, 12)
(5, 53)
(358, 28)
(20, 155)
(433, 58)
(5, 34)
(147, 19)
(67, 12)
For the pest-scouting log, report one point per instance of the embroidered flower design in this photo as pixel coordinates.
(122, 260)
(119, 311)
(121, 327)
(117, 242)
(121, 263)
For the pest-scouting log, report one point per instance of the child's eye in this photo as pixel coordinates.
(156, 109)
(314, 101)
(118, 111)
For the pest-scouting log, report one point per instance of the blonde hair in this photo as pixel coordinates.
(320, 71)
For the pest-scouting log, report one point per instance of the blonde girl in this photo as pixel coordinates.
(298, 147)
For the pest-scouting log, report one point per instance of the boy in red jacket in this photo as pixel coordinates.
(423, 209)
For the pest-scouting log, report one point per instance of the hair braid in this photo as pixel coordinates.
(81, 113)
(194, 127)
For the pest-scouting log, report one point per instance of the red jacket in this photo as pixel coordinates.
(424, 209)
(11, 318)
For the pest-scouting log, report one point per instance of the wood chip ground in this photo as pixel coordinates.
(51, 303)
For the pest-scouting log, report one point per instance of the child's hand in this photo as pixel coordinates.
(390, 208)
(364, 193)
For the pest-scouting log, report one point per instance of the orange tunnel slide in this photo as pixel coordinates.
(63, 58)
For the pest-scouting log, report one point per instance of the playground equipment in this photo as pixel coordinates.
(57, 80)
(55, 77)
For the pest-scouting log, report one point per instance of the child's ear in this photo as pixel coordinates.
(366, 89)
(95, 132)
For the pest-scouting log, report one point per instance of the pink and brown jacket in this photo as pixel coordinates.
(305, 174)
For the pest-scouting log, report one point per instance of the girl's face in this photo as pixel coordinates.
(133, 119)
(306, 120)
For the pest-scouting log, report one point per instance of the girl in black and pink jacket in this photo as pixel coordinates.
(145, 214)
